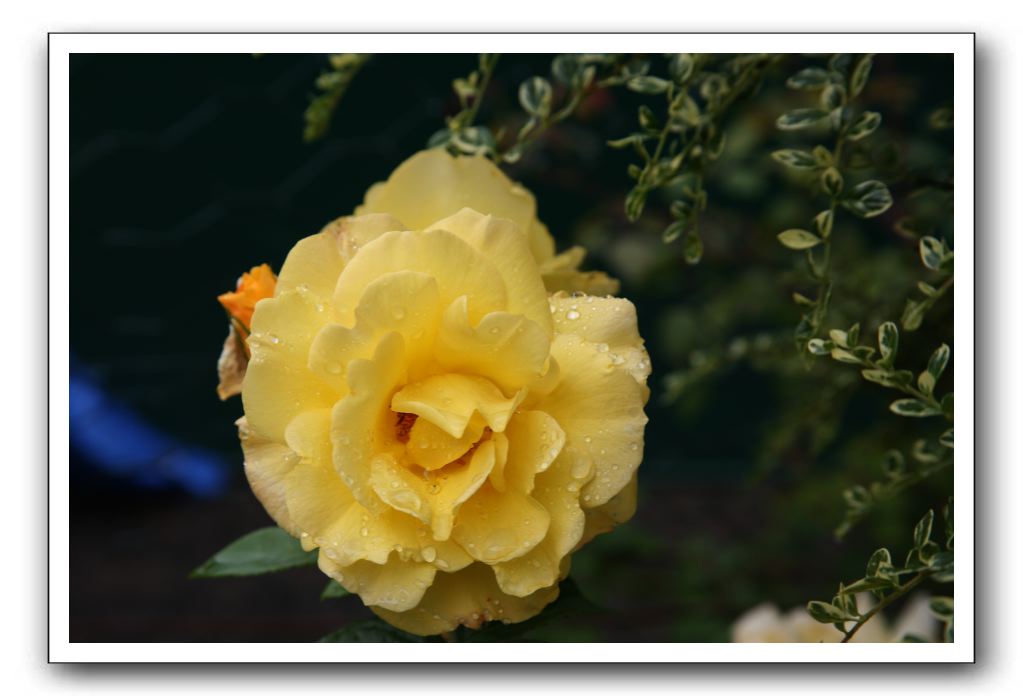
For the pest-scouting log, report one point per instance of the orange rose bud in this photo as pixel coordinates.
(253, 286)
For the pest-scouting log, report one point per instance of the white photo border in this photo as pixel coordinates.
(61, 45)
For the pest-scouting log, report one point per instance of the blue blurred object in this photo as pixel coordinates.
(114, 440)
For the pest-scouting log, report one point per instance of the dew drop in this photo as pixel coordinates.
(500, 543)
(580, 468)
(572, 315)
(429, 554)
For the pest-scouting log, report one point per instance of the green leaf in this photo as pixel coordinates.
(565, 68)
(673, 231)
(628, 140)
(823, 222)
(863, 126)
(680, 67)
(647, 120)
(925, 382)
(882, 377)
(646, 84)
(860, 73)
(841, 338)
(913, 408)
(799, 239)
(831, 180)
(947, 405)
(880, 582)
(880, 562)
(263, 551)
(474, 140)
(894, 464)
(333, 590)
(692, 248)
(932, 252)
(798, 119)
(922, 531)
(818, 347)
(797, 159)
(827, 613)
(845, 356)
(946, 439)
(943, 608)
(913, 315)
(840, 62)
(942, 119)
(439, 138)
(869, 199)
(373, 631)
(888, 342)
(808, 78)
(833, 97)
(634, 203)
(535, 97)
(939, 359)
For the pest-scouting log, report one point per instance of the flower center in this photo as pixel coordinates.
(403, 426)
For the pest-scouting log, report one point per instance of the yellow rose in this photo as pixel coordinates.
(422, 411)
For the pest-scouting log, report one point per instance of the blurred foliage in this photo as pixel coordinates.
(746, 200)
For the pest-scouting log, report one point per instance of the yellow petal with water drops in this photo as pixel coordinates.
(609, 323)
(357, 534)
(450, 400)
(500, 239)
(317, 501)
(362, 424)
(400, 488)
(435, 498)
(431, 185)
(496, 477)
(541, 243)
(508, 349)
(396, 585)
(557, 490)
(431, 448)
(405, 302)
(315, 263)
(267, 464)
(458, 269)
(308, 435)
(278, 384)
(618, 510)
(561, 274)
(534, 441)
(494, 527)
(466, 598)
(600, 408)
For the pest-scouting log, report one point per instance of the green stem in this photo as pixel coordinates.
(486, 69)
(887, 600)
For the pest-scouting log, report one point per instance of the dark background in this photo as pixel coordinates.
(188, 169)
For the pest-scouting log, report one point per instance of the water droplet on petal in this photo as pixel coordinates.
(572, 314)
(429, 554)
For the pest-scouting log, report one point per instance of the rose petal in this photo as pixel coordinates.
(468, 598)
